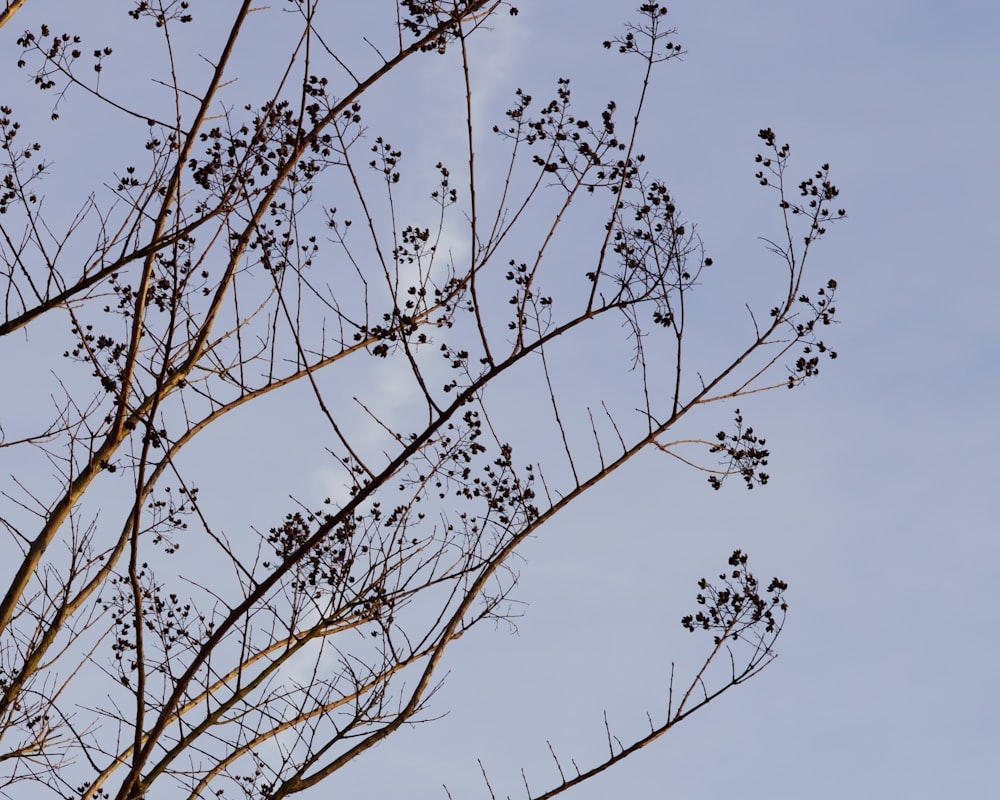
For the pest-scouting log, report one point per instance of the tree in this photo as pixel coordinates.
(258, 239)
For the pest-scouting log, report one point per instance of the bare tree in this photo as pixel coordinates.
(250, 239)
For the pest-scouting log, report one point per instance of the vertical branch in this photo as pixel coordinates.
(474, 244)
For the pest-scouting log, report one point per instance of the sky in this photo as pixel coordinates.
(880, 514)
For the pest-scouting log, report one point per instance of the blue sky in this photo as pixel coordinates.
(881, 512)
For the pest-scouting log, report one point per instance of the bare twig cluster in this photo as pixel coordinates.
(256, 239)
